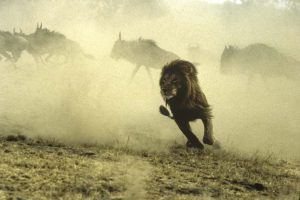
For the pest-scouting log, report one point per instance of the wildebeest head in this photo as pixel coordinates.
(43, 38)
(118, 48)
(41, 32)
(226, 56)
(19, 44)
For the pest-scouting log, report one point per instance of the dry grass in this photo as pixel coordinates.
(185, 174)
(39, 169)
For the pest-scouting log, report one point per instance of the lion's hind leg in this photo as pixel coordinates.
(193, 141)
(137, 67)
(208, 137)
(217, 145)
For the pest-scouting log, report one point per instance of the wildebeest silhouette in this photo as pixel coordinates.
(142, 52)
(52, 44)
(11, 46)
(259, 59)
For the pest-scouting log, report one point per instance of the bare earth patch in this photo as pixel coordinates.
(39, 169)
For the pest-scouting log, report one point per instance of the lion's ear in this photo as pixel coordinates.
(164, 69)
(189, 69)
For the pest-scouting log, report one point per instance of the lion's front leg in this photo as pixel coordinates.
(193, 141)
(208, 137)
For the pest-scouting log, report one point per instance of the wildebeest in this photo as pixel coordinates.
(52, 44)
(11, 46)
(259, 59)
(142, 52)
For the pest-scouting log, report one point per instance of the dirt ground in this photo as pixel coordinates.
(42, 169)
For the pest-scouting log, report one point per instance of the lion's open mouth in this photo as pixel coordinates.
(170, 94)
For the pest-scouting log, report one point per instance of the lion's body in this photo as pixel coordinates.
(181, 90)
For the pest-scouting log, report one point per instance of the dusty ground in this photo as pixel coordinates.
(39, 169)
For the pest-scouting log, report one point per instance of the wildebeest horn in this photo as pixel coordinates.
(41, 25)
(14, 30)
(21, 30)
(120, 36)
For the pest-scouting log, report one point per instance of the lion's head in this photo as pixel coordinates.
(179, 81)
(171, 85)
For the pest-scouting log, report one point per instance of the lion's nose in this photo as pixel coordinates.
(164, 90)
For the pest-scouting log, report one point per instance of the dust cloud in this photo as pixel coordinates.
(93, 101)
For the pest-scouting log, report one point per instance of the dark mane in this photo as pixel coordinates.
(193, 96)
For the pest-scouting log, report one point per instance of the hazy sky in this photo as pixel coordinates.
(93, 100)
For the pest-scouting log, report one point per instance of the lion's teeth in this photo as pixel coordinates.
(169, 97)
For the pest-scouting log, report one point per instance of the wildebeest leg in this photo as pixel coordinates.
(208, 137)
(49, 56)
(150, 75)
(9, 58)
(5, 54)
(39, 60)
(135, 71)
(193, 141)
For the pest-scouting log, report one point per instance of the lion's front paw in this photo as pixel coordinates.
(208, 139)
(217, 145)
(190, 144)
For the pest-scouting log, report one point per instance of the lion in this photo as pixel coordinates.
(181, 91)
